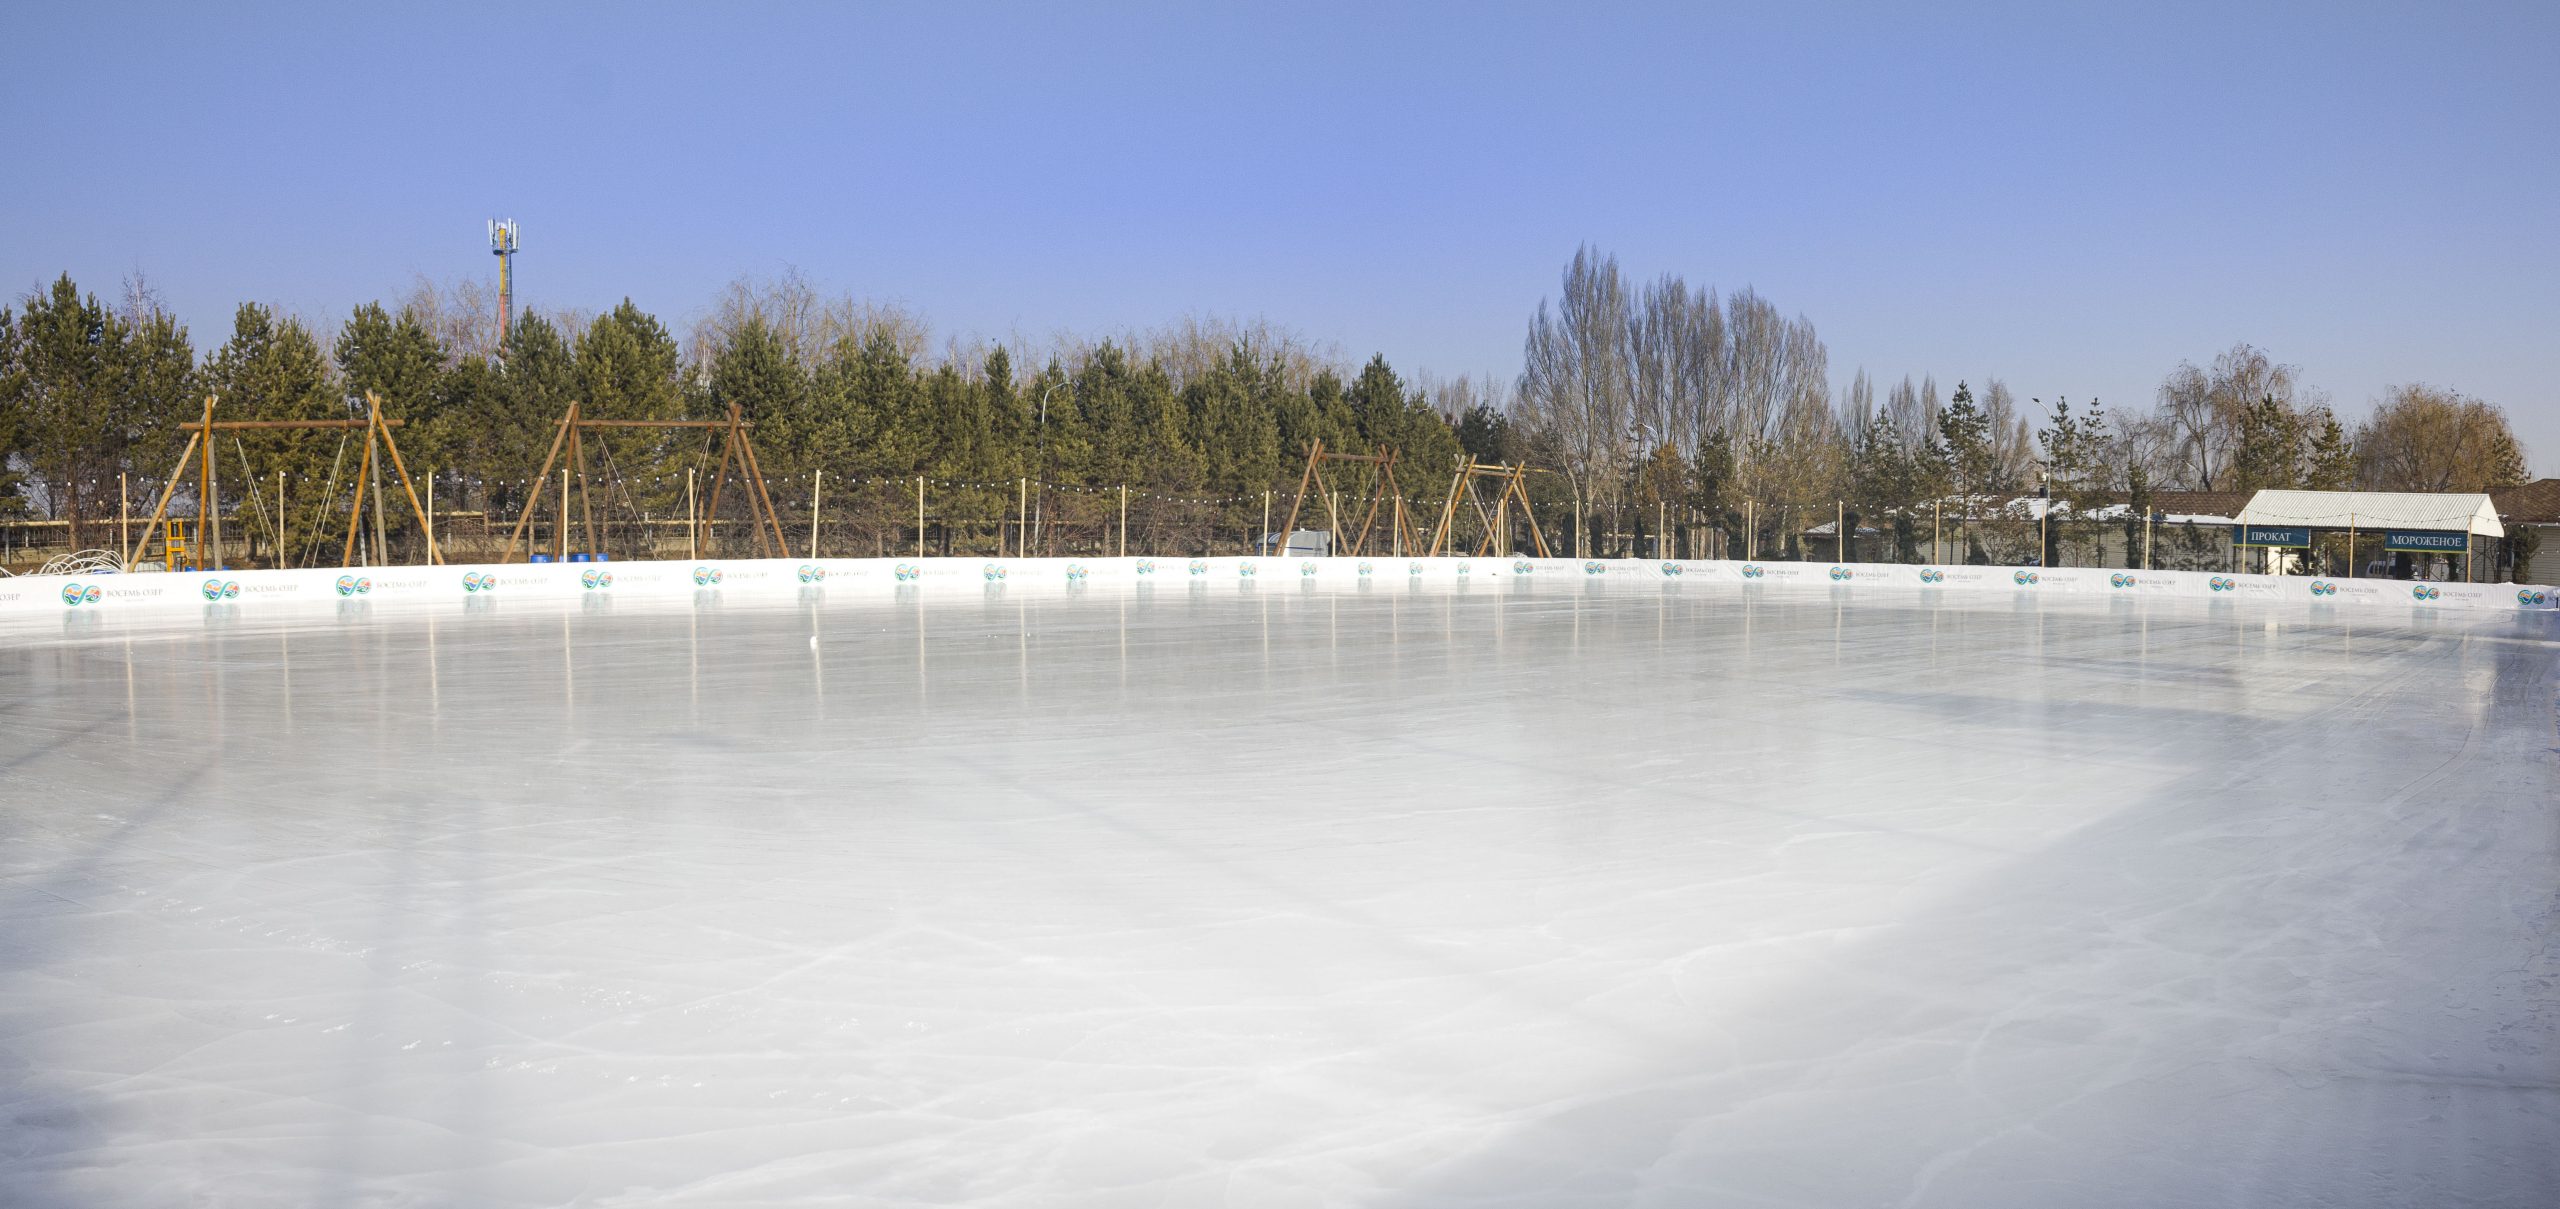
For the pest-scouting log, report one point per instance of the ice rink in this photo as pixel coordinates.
(1529, 894)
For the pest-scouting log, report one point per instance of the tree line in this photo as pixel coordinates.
(1645, 407)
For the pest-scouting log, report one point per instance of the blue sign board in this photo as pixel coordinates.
(2273, 535)
(2427, 541)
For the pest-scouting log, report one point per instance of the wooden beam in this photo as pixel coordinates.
(425, 527)
(226, 425)
(540, 478)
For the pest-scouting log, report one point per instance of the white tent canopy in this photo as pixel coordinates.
(2472, 514)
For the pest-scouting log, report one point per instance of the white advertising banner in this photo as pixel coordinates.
(37, 596)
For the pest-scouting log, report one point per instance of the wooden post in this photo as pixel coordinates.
(2146, 539)
(1250, 547)
(692, 523)
(817, 480)
(167, 490)
(1840, 531)
(355, 510)
(124, 519)
(533, 493)
(430, 517)
(1124, 520)
(762, 493)
(919, 516)
(209, 506)
(284, 528)
(586, 493)
(381, 534)
(1022, 519)
(560, 536)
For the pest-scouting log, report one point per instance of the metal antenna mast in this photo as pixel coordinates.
(502, 244)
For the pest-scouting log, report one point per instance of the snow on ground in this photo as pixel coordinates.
(1523, 895)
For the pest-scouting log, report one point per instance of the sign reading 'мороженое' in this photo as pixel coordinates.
(2427, 540)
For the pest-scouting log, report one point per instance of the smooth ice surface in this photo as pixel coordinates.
(1539, 894)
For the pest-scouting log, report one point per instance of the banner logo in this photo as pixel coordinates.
(907, 571)
(2024, 579)
(2527, 596)
(1752, 571)
(1520, 566)
(1932, 575)
(1839, 574)
(1671, 569)
(810, 573)
(1146, 566)
(995, 573)
(2221, 584)
(1463, 568)
(1365, 568)
(473, 581)
(2425, 592)
(2322, 587)
(357, 585)
(1075, 573)
(704, 577)
(1306, 566)
(2120, 580)
(1199, 566)
(592, 579)
(1592, 566)
(1245, 570)
(215, 589)
(77, 594)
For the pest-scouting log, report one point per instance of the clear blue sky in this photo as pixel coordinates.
(2070, 200)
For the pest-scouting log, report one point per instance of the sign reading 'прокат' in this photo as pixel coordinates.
(2427, 541)
(2274, 535)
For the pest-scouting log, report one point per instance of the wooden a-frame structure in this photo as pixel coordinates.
(1383, 494)
(200, 436)
(1497, 519)
(735, 445)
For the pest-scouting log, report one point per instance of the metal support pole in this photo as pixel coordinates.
(1124, 520)
(124, 521)
(817, 479)
(919, 516)
(2351, 545)
(1266, 520)
(560, 536)
(1840, 529)
(692, 519)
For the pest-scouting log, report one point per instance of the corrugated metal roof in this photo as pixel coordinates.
(2472, 513)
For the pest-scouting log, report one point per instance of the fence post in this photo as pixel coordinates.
(817, 479)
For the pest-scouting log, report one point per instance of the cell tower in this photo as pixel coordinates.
(502, 244)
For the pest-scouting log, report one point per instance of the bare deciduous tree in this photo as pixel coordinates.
(2427, 438)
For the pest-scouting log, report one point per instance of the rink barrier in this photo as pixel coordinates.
(854, 577)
